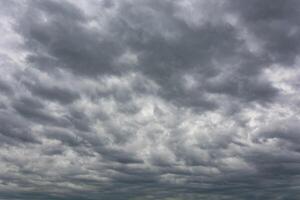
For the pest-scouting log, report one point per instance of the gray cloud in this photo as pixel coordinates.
(55, 94)
(149, 100)
(200, 51)
(64, 40)
(275, 24)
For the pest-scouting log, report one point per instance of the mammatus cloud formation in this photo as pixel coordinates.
(149, 99)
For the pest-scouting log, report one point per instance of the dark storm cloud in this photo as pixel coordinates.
(119, 156)
(204, 52)
(149, 100)
(4, 88)
(61, 38)
(275, 24)
(244, 87)
(34, 110)
(55, 94)
(65, 136)
(13, 130)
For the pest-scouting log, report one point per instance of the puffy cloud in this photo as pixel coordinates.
(149, 99)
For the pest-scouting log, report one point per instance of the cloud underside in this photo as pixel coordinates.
(149, 99)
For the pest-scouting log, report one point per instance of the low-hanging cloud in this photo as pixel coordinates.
(149, 99)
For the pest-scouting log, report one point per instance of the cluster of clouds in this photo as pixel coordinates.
(149, 99)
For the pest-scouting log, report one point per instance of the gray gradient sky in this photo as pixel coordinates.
(149, 99)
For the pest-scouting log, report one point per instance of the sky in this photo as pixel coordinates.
(149, 99)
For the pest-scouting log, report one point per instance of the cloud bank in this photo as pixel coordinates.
(149, 99)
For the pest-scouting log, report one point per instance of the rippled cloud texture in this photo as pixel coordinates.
(149, 99)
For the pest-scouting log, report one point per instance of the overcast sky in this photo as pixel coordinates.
(149, 99)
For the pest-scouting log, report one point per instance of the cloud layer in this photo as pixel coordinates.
(149, 99)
